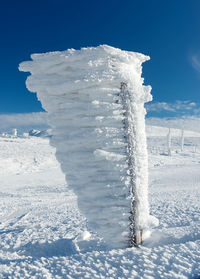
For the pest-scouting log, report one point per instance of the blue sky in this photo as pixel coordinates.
(167, 31)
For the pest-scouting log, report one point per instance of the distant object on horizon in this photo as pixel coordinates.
(14, 132)
(38, 133)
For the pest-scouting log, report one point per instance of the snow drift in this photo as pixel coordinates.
(95, 102)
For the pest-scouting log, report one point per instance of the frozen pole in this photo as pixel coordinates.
(14, 132)
(137, 163)
(95, 102)
(169, 140)
(182, 139)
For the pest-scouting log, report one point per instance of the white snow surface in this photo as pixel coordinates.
(98, 132)
(43, 234)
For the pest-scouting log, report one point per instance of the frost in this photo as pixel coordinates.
(95, 102)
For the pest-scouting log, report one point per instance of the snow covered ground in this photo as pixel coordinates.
(43, 234)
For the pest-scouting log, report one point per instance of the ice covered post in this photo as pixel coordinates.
(182, 139)
(14, 131)
(95, 101)
(169, 141)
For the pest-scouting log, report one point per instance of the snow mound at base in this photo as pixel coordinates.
(95, 100)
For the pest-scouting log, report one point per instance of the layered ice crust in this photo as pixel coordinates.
(97, 133)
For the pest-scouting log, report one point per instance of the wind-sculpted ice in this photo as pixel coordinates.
(95, 101)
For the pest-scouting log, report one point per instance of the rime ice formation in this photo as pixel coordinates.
(95, 101)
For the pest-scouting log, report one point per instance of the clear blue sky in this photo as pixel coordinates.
(168, 31)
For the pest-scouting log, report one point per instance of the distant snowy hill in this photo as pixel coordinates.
(150, 132)
(157, 131)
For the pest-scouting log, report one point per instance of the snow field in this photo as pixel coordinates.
(42, 231)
